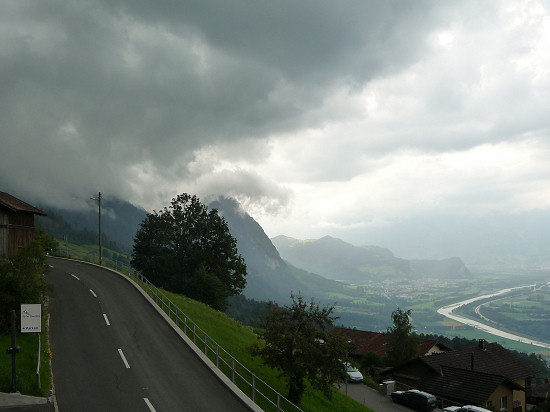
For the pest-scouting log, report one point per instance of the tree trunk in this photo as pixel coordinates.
(296, 389)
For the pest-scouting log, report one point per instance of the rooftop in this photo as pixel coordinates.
(17, 205)
(464, 386)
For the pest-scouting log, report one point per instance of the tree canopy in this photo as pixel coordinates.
(22, 280)
(187, 248)
(297, 342)
(48, 243)
(402, 344)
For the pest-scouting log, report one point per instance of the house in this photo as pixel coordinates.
(16, 224)
(486, 375)
(464, 386)
(364, 342)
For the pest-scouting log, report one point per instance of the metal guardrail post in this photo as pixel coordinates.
(233, 369)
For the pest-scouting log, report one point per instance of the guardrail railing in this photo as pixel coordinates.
(255, 388)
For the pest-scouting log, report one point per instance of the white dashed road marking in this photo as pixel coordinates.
(124, 359)
(149, 404)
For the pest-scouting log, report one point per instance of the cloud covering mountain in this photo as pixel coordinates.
(353, 119)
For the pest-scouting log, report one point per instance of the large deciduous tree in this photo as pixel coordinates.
(402, 344)
(187, 248)
(297, 342)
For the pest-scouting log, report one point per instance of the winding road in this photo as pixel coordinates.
(112, 351)
(448, 312)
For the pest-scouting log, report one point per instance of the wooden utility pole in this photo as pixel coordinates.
(98, 198)
(99, 203)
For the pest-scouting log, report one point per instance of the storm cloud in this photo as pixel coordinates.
(314, 114)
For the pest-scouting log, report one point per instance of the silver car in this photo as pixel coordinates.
(353, 374)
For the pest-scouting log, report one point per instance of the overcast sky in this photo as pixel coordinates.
(319, 116)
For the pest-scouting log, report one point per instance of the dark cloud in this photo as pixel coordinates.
(284, 104)
(92, 89)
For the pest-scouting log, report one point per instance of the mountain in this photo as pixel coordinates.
(269, 276)
(56, 226)
(441, 268)
(119, 221)
(493, 242)
(276, 268)
(335, 259)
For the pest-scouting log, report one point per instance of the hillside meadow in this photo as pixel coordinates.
(236, 339)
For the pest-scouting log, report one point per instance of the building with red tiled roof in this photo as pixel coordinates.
(16, 224)
(364, 342)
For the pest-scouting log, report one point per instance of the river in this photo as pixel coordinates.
(448, 312)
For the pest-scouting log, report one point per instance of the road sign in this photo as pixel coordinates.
(31, 318)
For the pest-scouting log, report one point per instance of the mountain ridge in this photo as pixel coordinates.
(336, 259)
(269, 276)
(273, 273)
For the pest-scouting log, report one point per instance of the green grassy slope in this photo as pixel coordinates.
(236, 339)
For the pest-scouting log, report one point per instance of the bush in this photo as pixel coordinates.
(22, 281)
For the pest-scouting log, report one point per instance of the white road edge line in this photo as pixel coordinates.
(124, 359)
(106, 320)
(93, 293)
(149, 404)
(74, 276)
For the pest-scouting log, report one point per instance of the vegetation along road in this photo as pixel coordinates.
(448, 312)
(113, 351)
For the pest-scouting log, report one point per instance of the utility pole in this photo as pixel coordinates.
(98, 198)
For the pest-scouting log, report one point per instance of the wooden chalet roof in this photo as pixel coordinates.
(18, 206)
(490, 358)
(464, 386)
(375, 342)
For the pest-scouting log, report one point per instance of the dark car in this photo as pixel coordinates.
(417, 400)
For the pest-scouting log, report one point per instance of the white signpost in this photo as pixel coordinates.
(31, 318)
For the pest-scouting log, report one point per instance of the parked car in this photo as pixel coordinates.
(415, 399)
(471, 408)
(451, 408)
(353, 374)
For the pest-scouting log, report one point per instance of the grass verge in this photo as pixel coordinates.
(26, 361)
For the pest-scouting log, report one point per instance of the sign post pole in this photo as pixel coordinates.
(13, 350)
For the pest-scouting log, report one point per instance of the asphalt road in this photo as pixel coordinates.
(371, 398)
(113, 352)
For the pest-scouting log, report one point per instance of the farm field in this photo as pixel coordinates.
(525, 312)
